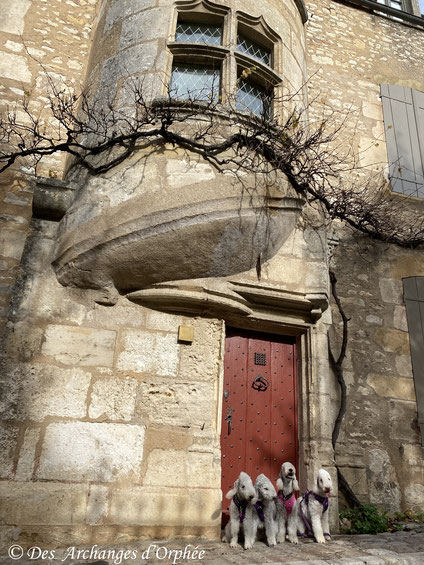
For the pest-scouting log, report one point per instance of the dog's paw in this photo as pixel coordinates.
(281, 539)
(320, 539)
(248, 545)
(234, 543)
(293, 539)
(272, 542)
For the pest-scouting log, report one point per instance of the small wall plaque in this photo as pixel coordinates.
(185, 333)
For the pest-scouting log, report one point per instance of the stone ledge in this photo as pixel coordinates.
(52, 198)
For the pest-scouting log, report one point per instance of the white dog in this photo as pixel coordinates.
(286, 485)
(266, 512)
(311, 509)
(242, 512)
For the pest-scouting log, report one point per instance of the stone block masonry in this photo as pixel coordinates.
(36, 37)
(101, 412)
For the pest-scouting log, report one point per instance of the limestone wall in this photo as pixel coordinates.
(36, 37)
(108, 420)
(350, 53)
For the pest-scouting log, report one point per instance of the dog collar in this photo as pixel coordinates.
(241, 507)
(260, 510)
(288, 500)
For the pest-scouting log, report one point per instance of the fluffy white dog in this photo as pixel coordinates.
(286, 485)
(266, 512)
(242, 512)
(311, 510)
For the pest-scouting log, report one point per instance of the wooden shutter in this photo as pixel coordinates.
(413, 290)
(403, 112)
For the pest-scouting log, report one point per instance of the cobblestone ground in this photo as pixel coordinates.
(399, 548)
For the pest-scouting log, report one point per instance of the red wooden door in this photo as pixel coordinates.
(259, 427)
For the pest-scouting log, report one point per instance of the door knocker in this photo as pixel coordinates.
(260, 383)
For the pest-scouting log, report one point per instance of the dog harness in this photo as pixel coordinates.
(241, 507)
(260, 510)
(288, 500)
(322, 500)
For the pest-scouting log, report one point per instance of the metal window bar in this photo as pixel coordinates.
(198, 33)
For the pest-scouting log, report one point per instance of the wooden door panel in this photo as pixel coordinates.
(263, 422)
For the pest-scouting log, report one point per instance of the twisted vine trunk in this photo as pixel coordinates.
(337, 366)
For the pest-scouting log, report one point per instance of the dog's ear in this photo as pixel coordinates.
(295, 484)
(279, 484)
(234, 490)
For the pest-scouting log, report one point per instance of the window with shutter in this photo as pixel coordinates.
(403, 111)
(413, 289)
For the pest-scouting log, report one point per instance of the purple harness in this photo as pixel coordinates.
(260, 510)
(241, 507)
(288, 500)
(322, 500)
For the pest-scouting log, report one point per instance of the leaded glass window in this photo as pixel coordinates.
(245, 45)
(194, 82)
(253, 98)
(198, 33)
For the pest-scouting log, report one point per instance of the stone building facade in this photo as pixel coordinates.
(113, 416)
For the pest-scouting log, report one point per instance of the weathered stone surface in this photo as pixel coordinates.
(15, 67)
(392, 340)
(371, 319)
(26, 460)
(356, 478)
(147, 351)
(121, 9)
(36, 391)
(404, 366)
(13, 14)
(391, 290)
(79, 346)
(188, 468)
(12, 243)
(414, 495)
(42, 503)
(145, 26)
(48, 300)
(399, 319)
(125, 314)
(82, 451)
(201, 357)
(133, 60)
(113, 399)
(383, 482)
(196, 507)
(15, 199)
(23, 341)
(177, 404)
(97, 505)
(392, 387)
(403, 420)
(8, 438)
(163, 321)
(182, 172)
